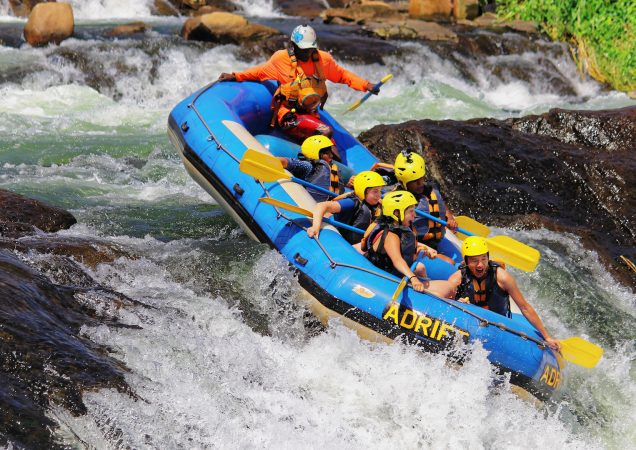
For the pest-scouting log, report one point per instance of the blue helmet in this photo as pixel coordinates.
(304, 37)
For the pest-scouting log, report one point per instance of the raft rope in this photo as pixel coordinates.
(333, 263)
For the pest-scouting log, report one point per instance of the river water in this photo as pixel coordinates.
(227, 359)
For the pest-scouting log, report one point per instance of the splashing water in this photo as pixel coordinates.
(227, 353)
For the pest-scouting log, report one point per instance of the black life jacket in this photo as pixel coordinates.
(325, 176)
(379, 257)
(360, 216)
(485, 292)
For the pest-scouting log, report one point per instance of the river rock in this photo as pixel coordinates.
(22, 8)
(360, 13)
(44, 360)
(564, 170)
(128, 29)
(89, 252)
(465, 9)
(191, 7)
(17, 208)
(304, 8)
(412, 29)
(49, 22)
(225, 28)
(431, 9)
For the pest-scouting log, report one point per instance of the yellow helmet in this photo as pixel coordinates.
(408, 167)
(366, 179)
(399, 200)
(474, 246)
(313, 144)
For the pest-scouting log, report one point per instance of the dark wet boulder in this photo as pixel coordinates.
(20, 209)
(565, 170)
(88, 251)
(44, 360)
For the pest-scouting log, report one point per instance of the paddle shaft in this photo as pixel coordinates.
(335, 223)
(443, 222)
(313, 186)
(306, 212)
(369, 94)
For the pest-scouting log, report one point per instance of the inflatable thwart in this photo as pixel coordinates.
(213, 128)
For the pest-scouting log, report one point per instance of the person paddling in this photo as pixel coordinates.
(392, 244)
(357, 208)
(485, 283)
(302, 71)
(410, 169)
(318, 168)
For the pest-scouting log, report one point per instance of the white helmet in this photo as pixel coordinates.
(304, 37)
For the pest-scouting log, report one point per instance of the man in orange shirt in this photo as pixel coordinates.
(302, 71)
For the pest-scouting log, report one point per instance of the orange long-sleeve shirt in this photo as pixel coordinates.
(279, 66)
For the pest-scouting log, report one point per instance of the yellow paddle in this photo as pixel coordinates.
(268, 168)
(467, 223)
(513, 252)
(581, 352)
(357, 103)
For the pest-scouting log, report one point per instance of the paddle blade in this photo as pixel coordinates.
(262, 166)
(355, 104)
(469, 224)
(581, 352)
(513, 252)
(286, 206)
(399, 289)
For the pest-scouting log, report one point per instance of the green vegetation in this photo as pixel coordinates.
(602, 33)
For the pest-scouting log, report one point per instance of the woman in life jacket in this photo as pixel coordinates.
(302, 71)
(392, 244)
(484, 283)
(410, 170)
(318, 168)
(357, 208)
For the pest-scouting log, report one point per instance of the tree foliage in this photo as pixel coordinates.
(602, 32)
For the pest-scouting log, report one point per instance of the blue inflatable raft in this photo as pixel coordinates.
(214, 127)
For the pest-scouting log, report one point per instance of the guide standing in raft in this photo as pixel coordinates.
(302, 71)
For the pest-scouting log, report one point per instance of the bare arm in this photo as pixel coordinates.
(322, 208)
(509, 284)
(284, 161)
(450, 219)
(392, 248)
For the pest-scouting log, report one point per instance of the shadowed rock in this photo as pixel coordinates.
(87, 251)
(17, 208)
(566, 170)
(44, 360)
